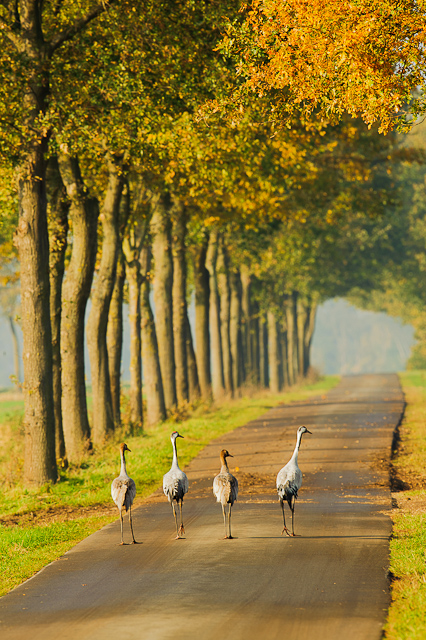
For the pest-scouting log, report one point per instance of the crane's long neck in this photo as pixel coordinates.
(296, 448)
(175, 457)
(224, 467)
(123, 471)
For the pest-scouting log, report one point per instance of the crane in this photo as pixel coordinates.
(123, 491)
(289, 481)
(225, 488)
(175, 485)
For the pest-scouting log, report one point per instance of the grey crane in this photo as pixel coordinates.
(289, 481)
(225, 488)
(175, 485)
(123, 491)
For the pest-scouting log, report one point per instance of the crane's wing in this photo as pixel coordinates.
(123, 491)
(225, 488)
(175, 485)
(185, 483)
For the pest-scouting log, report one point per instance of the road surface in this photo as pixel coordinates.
(328, 583)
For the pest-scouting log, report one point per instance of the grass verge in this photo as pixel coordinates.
(407, 613)
(38, 526)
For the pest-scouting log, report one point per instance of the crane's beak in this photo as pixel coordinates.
(307, 431)
(127, 449)
(230, 455)
(179, 436)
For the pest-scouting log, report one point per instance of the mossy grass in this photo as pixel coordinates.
(43, 523)
(407, 613)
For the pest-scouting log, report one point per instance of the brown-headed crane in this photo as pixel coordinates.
(123, 491)
(225, 488)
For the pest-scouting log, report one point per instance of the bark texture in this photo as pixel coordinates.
(163, 299)
(263, 351)
(15, 342)
(222, 269)
(134, 279)
(235, 329)
(180, 311)
(193, 379)
(115, 337)
(58, 230)
(274, 354)
(103, 419)
(155, 404)
(214, 318)
(84, 212)
(202, 328)
(308, 335)
(246, 323)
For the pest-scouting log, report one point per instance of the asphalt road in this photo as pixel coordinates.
(329, 583)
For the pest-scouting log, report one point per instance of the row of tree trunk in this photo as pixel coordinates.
(139, 237)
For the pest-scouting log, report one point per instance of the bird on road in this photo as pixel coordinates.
(289, 481)
(175, 485)
(225, 488)
(123, 491)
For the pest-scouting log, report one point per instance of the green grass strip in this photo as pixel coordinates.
(407, 613)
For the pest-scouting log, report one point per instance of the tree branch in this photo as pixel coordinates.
(75, 28)
(10, 34)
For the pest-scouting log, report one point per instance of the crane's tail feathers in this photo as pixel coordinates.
(288, 492)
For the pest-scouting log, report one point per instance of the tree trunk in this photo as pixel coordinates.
(222, 269)
(15, 342)
(155, 405)
(302, 317)
(180, 311)
(255, 346)
(294, 299)
(193, 380)
(235, 329)
(285, 381)
(33, 244)
(134, 279)
(103, 420)
(291, 341)
(202, 329)
(246, 323)
(263, 351)
(308, 335)
(163, 300)
(274, 352)
(115, 338)
(214, 318)
(27, 37)
(76, 290)
(58, 231)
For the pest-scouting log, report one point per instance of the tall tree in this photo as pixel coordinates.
(103, 419)
(30, 38)
(84, 212)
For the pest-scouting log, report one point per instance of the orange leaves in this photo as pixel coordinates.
(361, 56)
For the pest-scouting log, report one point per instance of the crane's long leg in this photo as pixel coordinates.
(229, 521)
(285, 528)
(175, 515)
(181, 528)
(121, 523)
(131, 525)
(224, 520)
(292, 516)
